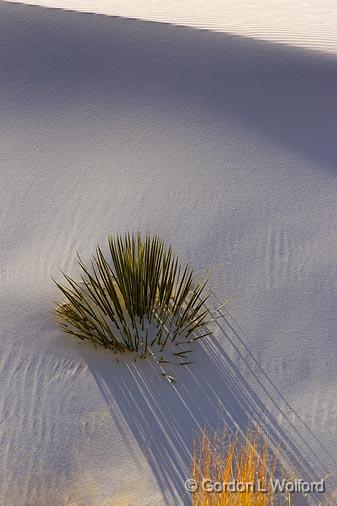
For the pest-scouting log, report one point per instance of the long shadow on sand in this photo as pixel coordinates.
(212, 393)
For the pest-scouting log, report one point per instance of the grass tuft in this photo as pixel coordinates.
(245, 460)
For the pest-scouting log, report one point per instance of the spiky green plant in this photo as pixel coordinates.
(139, 287)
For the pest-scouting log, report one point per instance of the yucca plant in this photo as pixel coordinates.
(135, 298)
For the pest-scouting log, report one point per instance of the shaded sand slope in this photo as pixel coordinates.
(226, 147)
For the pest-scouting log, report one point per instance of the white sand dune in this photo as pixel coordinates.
(305, 23)
(224, 145)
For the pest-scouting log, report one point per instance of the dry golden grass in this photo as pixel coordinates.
(244, 459)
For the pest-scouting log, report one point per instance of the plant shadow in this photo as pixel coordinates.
(212, 393)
